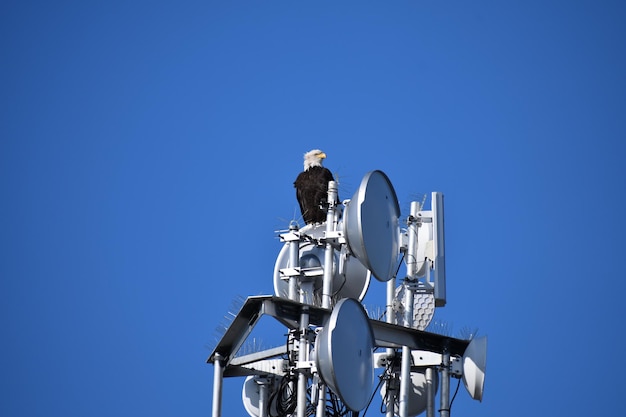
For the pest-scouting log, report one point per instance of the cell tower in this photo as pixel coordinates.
(333, 350)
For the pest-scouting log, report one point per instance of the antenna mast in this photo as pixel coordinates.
(332, 350)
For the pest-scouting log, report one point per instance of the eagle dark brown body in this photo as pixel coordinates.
(311, 191)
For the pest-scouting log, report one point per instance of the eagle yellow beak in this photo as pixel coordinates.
(321, 155)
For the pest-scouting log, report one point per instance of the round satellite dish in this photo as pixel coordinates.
(251, 395)
(371, 225)
(418, 398)
(423, 308)
(344, 350)
(475, 367)
(350, 278)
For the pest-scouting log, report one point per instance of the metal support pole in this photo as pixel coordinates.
(445, 384)
(331, 218)
(411, 252)
(409, 299)
(294, 262)
(328, 255)
(321, 402)
(291, 348)
(391, 386)
(391, 293)
(218, 376)
(405, 376)
(409, 295)
(303, 357)
(405, 381)
(263, 396)
(430, 393)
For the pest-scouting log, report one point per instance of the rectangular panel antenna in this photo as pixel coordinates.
(439, 249)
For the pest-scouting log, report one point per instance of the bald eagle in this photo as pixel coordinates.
(312, 187)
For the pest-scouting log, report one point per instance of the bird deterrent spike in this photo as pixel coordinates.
(468, 333)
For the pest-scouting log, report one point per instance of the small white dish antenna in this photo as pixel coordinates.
(418, 398)
(350, 278)
(344, 354)
(251, 394)
(371, 225)
(475, 367)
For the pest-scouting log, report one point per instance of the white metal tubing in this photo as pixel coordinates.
(411, 255)
(430, 393)
(391, 292)
(218, 373)
(321, 402)
(303, 356)
(391, 403)
(445, 385)
(294, 262)
(405, 381)
(409, 298)
(405, 368)
(263, 409)
(405, 376)
(328, 255)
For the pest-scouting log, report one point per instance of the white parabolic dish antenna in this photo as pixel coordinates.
(371, 225)
(475, 367)
(251, 397)
(350, 278)
(345, 354)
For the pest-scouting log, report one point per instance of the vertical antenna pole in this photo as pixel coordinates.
(321, 402)
(218, 373)
(411, 252)
(390, 383)
(331, 218)
(303, 356)
(405, 381)
(263, 408)
(405, 376)
(294, 262)
(430, 393)
(409, 295)
(445, 384)
(391, 292)
(328, 255)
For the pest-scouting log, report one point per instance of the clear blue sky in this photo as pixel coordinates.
(148, 151)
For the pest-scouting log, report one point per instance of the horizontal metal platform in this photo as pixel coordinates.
(288, 312)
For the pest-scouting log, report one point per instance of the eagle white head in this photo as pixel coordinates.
(313, 158)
